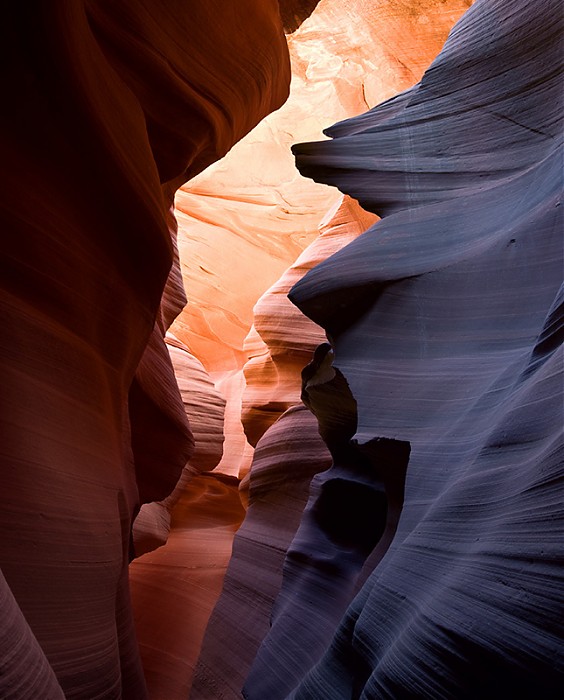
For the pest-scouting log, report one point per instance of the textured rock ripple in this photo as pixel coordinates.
(445, 322)
(108, 108)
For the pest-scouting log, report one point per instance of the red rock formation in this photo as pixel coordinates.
(175, 587)
(238, 454)
(347, 56)
(204, 407)
(293, 12)
(288, 454)
(196, 524)
(24, 669)
(110, 107)
(332, 62)
(254, 206)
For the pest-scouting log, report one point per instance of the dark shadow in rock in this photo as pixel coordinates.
(294, 12)
(346, 517)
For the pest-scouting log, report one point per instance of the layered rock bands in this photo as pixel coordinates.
(440, 394)
(107, 109)
(403, 527)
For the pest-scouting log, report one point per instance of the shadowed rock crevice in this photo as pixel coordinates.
(351, 514)
(551, 336)
(294, 12)
(346, 517)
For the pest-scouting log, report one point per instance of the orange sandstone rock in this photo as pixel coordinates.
(285, 460)
(204, 407)
(282, 339)
(246, 219)
(175, 587)
(344, 61)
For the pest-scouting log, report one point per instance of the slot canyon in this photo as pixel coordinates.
(281, 366)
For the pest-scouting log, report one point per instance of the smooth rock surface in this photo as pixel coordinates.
(109, 107)
(253, 207)
(282, 339)
(285, 459)
(204, 407)
(353, 507)
(245, 220)
(175, 587)
(24, 669)
(336, 67)
(445, 320)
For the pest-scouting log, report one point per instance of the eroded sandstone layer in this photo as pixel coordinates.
(282, 340)
(445, 322)
(343, 56)
(108, 108)
(289, 452)
(288, 455)
(424, 473)
(246, 219)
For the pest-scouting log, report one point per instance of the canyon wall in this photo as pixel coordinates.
(107, 110)
(440, 394)
(386, 465)
(248, 217)
(241, 223)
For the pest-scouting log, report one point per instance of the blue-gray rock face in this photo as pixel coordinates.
(445, 320)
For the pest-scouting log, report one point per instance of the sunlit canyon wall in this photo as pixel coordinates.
(387, 445)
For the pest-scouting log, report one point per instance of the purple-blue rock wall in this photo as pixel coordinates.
(445, 321)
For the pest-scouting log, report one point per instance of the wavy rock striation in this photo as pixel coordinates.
(253, 206)
(289, 453)
(175, 587)
(285, 459)
(353, 508)
(282, 340)
(445, 320)
(204, 407)
(111, 108)
(344, 57)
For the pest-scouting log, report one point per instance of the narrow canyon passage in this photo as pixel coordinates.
(243, 223)
(281, 360)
